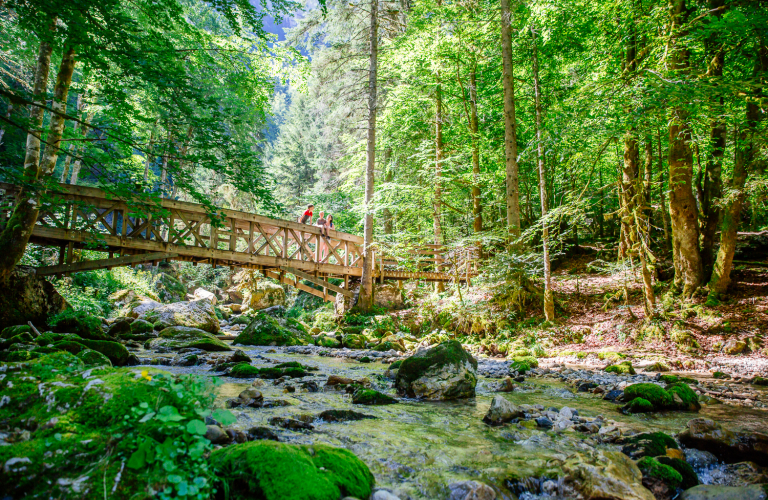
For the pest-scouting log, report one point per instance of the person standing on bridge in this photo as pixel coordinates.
(321, 239)
(326, 239)
(307, 217)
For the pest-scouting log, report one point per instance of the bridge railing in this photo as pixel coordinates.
(81, 215)
(428, 261)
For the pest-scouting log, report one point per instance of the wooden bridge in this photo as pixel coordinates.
(78, 217)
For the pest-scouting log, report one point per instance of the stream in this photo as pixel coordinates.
(417, 449)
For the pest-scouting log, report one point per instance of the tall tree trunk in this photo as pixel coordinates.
(389, 176)
(743, 159)
(682, 204)
(150, 157)
(439, 157)
(15, 235)
(8, 113)
(663, 198)
(549, 298)
(477, 204)
(712, 190)
(59, 106)
(73, 149)
(510, 124)
(366, 288)
(627, 197)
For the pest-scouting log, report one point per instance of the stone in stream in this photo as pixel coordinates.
(277, 471)
(259, 433)
(216, 435)
(729, 446)
(443, 372)
(647, 444)
(369, 397)
(180, 337)
(544, 422)
(342, 415)
(699, 458)
(717, 492)
(268, 331)
(608, 475)
(198, 314)
(290, 423)
(502, 411)
(471, 490)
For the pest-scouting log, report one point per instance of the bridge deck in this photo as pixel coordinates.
(84, 217)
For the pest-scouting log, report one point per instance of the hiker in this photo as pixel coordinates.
(326, 236)
(321, 221)
(307, 217)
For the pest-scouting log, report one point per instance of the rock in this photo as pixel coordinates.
(715, 492)
(290, 423)
(699, 458)
(370, 397)
(501, 411)
(344, 304)
(647, 444)
(258, 433)
(729, 446)
(239, 357)
(354, 341)
(250, 397)
(383, 494)
(329, 341)
(87, 326)
(91, 358)
(610, 475)
(267, 331)
(443, 372)
(676, 396)
(342, 415)
(267, 294)
(216, 435)
(623, 368)
(507, 384)
(180, 337)
(743, 473)
(734, 346)
(334, 380)
(129, 303)
(117, 353)
(169, 288)
(662, 480)
(26, 297)
(198, 314)
(202, 293)
(275, 471)
(387, 295)
(120, 327)
(544, 423)
(471, 490)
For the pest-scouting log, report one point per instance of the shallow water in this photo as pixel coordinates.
(416, 449)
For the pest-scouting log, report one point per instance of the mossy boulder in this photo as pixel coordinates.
(690, 478)
(180, 337)
(354, 341)
(141, 327)
(623, 368)
(89, 357)
(87, 326)
(266, 295)
(657, 476)
(25, 296)
(671, 379)
(291, 369)
(266, 330)
(19, 356)
(328, 341)
(363, 396)
(677, 396)
(169, 288)
(116, 352)
(523, 364)
(639, 405)
(389, 346)
(22, 338)
(760, 381)
(280, 471)
(198, 314)
(12, 331)
(445, 371)
(647, 444)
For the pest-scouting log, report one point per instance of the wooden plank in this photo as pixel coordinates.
(318, 281)
(90, 265)
(300, 286)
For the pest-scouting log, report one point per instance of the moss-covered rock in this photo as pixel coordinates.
(677, 396)
(760, 381)
(690, 478)
(198, 314)
(671, 379)
(266, 330)
(25, 296)
(89, 357)
(279, 471)
(140, 326)
(387, 346)
(116, 352)
(445, 371)
(623, 368)
(292, 369)
(12, 331)
(87, 326)
(656, 471)
(180, 337)
(639, 405)
(647, 444)
(354, 341)
(328, 341)
(363, 396)
(169, 288)
(22, 338)
(19, 356)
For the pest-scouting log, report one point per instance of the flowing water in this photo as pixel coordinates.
(416, 449)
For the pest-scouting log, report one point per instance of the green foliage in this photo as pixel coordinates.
(688, 475)
(623, 368)
(363, 396)
(80, 322)
(653, 468)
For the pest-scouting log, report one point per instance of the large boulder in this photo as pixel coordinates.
(648, 397)
(87, 326)
(169, 288)
(180, 337)
(445, 371)
(194, 314)
(501, 411)
(202, 293)
(388, 295)
(727, 445)
(266, 330)
(610, 475)
(131, 304)
(27, 297)
(267, 294)
(275, 471)
(717, 492)
(345, 304)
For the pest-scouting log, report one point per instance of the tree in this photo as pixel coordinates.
(510, 124)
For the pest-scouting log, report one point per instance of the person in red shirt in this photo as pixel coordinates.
(307, 217)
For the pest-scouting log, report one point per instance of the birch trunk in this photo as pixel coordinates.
(365, 298)
(549, 299)
(510, 124)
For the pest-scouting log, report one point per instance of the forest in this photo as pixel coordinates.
(384, 249)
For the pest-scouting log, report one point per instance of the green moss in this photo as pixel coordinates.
(180, 337)
(365, 359)
(12, 331)
(529, 360)
(720, 375)
(653, 468)
(18, 356)
(294, 324)
(386, 346)
(690, 478)
(140, 326)
(652, 393)
(353, 341)
(69, 346)
(690, 399)
(266, 330)
(22, 338)
(328, 341)
(671, 379)
(244, 370)
(87, 326)
(396, 364)
(447, 353)
(648, 444)
(279, 471)
(371, 397)
(639, 405)
(89, 357)
(760, 381)
(623, 368)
